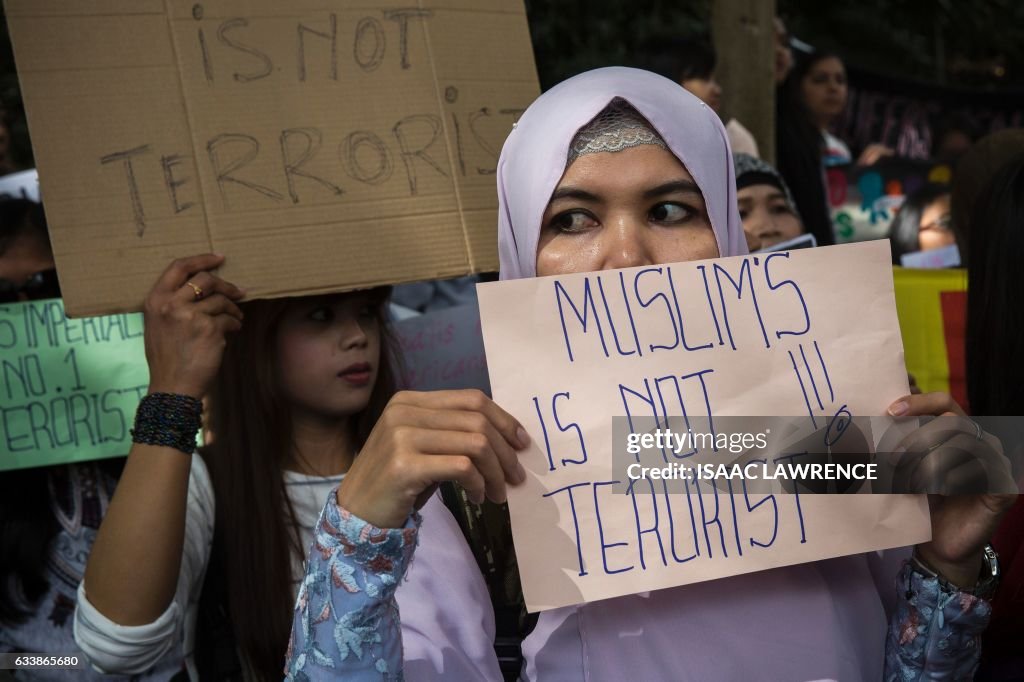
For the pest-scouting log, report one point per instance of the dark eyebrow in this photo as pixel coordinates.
(673, 186)
(571, 192)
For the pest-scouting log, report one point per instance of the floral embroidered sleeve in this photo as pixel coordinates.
(346, 623)
(933, 634)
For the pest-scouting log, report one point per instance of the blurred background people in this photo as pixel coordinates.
(923, 222)
(27, 269)
(800, 149)
(820, 90)
(691, 63)
(48, 515)
(952, 136)
(766, 207)
(809, 101)
(823, 92)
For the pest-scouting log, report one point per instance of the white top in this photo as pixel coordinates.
(133, 649)
(435, 647)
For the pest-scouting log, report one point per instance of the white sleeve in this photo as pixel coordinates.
(136, 648)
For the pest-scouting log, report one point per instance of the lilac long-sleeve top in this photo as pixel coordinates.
(819, 621)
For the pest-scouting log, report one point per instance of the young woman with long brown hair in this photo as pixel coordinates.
(295, 388)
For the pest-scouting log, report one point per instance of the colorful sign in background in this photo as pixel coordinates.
(932, 307)
(68, 387)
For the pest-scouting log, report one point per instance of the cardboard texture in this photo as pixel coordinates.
(68, 388)
(811, 332)
(319, 146)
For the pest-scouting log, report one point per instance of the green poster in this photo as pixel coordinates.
(68, 387)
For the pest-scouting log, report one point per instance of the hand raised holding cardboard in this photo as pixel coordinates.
(133, 570)
(424, 438)
(188, 313)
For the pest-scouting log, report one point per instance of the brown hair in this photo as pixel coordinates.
(252, 434)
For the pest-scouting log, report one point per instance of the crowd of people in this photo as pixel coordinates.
(307, 538)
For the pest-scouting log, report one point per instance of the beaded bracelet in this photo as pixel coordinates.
(168, 419)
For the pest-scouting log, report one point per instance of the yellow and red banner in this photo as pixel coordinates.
(932, 307)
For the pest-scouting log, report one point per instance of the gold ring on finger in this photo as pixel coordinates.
(196, 290)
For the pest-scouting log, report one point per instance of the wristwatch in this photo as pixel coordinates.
(988, 579)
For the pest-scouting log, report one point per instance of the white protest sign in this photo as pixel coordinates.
(810, 332)
(21, 185)
(443, 349)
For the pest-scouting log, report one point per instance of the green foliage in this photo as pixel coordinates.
(570, 36)
(967, 44)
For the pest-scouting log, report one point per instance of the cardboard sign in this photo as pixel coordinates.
(320, 146)
(810, 332)
(68, 388)
(932, 307)
(443, 350)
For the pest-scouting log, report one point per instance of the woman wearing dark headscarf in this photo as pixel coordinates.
(767, 208)
(617, 168)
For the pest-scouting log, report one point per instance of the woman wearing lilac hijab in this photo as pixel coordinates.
(618, 168)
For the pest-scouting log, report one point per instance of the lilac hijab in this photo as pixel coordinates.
(533, 158)
(818, 621)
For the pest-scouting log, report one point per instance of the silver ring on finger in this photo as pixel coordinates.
(978, 433)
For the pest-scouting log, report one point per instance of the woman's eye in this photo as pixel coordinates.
(321, 314)
(572, 221)
(368, 311)
(671, 213)
(780, 209)
(744, 213)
